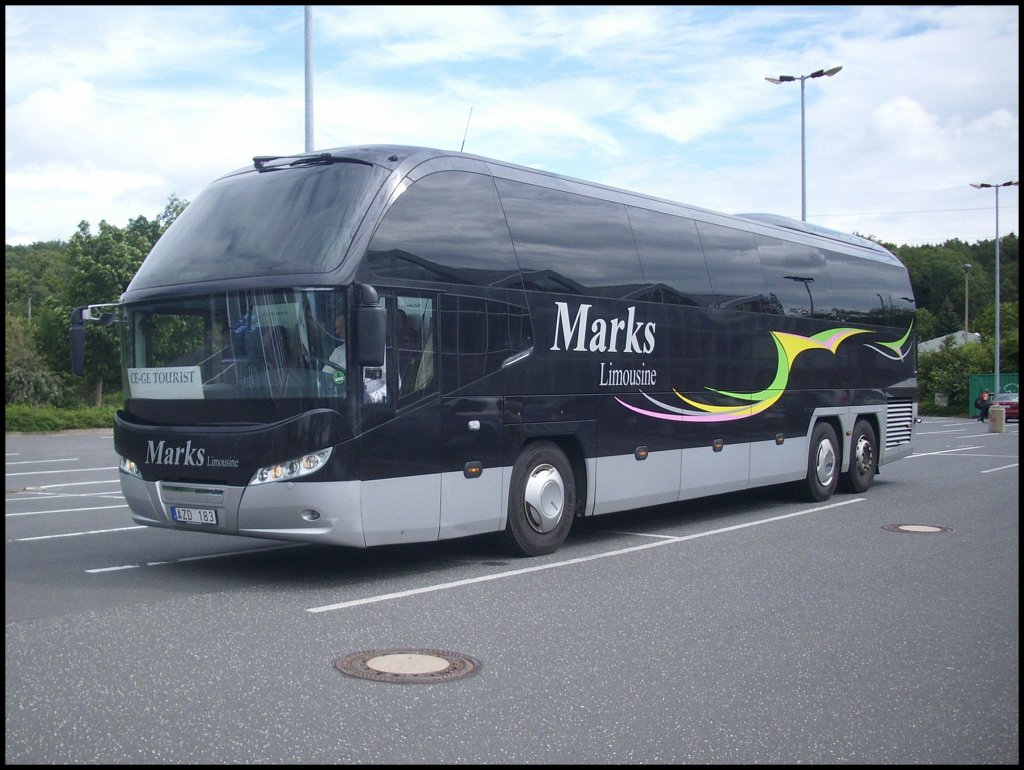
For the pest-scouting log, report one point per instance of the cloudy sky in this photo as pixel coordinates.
(111, 110)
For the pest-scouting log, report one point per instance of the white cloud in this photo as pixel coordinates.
(128, 105)
(34, 196)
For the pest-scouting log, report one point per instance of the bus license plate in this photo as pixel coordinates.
(194, 515)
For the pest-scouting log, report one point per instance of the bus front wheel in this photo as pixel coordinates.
(822, 465)
(541, 500)
(863, 459)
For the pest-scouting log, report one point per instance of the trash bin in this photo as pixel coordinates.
(997, 419)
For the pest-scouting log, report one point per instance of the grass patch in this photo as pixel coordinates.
(21, 418)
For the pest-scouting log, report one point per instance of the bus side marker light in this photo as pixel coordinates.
(472, 469)
(641, 453)
(718, 444)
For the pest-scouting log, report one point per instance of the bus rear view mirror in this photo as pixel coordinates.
(371, 327)
(76, 333)
(77, 350)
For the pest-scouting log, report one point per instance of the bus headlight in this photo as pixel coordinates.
(292, 469)
(129, 467)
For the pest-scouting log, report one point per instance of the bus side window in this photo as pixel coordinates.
(675, 271)
(735, 269)
(797, 276)
(416, 349)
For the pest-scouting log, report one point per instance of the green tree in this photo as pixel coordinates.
(32, 274)
(99, 269)
(172, 211)
(949, 320)
(984, 253)
(947, 373)
(927, 325)
(937, 277)
(1009, 336)
(27, 380)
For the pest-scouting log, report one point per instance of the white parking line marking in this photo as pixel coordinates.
(76, 534)
(36, 462)
(569, 562)
(73, 484)
(73, 470)
(34, 496)
(65, 510)
(191, 558)
(945, 451)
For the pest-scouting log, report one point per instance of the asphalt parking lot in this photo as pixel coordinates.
(746, 628)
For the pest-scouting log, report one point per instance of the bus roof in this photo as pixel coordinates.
(405, 157)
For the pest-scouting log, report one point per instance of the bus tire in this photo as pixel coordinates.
(541, 500)
(863, 459)
(822, 465)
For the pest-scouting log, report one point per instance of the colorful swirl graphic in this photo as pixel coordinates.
(788, 347)
(894, 350)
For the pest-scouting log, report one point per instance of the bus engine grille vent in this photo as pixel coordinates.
(899, 419)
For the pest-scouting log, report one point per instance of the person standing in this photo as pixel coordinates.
(982, 403)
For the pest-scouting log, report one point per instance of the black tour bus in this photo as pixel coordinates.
(520, 348)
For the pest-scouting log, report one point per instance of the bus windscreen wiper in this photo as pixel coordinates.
(323, 158)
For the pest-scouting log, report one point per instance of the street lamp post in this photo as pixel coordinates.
(806, 281)
(803, 160)
(308, 12)
(967, 325)
(980, 186)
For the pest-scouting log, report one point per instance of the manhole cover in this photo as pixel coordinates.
(407, 666)
(919, 529)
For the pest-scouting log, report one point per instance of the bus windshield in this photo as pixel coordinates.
(288, 221)
(246, 345)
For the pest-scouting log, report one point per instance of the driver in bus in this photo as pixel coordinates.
(374, 380)
(337, 357)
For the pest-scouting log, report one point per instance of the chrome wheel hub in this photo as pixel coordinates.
(544, 498)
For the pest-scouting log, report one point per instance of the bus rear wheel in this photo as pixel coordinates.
(863, 459)
(822, 465)
(541, 500)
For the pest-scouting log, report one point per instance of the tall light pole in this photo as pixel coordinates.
(967, 325)
(309, 78)
(803, 153)
(980, 186)
(806, 281)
